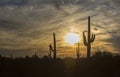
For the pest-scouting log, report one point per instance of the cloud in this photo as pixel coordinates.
(26, 24)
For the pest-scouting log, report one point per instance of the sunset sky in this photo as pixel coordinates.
(26, 26)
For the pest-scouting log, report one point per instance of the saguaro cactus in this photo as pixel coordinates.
(78, 51)
(53, 49)
(87, 42)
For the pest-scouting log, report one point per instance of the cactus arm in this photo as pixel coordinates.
(49, 54)
(84, 39)
(51, 48)
(92, 38)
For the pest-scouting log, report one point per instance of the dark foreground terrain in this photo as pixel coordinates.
(100, 65)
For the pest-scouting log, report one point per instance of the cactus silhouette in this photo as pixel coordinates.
(78, 51)
(50, 53)
(53, 49)
(91, 38)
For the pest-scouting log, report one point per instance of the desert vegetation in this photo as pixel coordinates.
(101, 64)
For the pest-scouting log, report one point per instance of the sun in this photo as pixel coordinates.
(72, 38)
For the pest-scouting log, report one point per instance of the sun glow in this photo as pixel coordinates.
(72, 38)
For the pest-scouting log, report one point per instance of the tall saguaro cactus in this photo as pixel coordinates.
(53, 49)
(91, 38)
